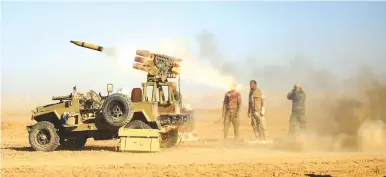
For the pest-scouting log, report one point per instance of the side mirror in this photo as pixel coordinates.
(109, 88)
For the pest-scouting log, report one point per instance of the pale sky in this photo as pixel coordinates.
(38, 59)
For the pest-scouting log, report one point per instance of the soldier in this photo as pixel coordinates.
(298, 98)
(230, 113)
(256, 113)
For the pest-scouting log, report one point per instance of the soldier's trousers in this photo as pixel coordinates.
(297, 118)
(231, 118)
(259, 126)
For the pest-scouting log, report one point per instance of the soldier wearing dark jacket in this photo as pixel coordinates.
(298, 98)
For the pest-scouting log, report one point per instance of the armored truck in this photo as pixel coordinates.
(78, 116)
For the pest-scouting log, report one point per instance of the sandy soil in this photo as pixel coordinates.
(209, 157)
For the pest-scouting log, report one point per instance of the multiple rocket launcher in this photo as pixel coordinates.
(158, 66)
(156, 63)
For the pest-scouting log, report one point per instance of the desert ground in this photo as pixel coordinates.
(308, 155)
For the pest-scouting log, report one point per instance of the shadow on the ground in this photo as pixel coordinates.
(19, 148)
(313, 175)
(86, 148)
(220, 143)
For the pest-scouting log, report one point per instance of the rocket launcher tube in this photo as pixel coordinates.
(158, 66)
(140, 66)
(143, 53)
(140, 59)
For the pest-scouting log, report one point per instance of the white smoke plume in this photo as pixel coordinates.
(193, 70)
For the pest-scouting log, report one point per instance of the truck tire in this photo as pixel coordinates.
(137, 124)
(73, 143)
(43, 137)
(117, 110)
(169, 139)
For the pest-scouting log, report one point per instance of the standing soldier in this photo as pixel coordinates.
(256, 113)
(230, 113)
(298, 98)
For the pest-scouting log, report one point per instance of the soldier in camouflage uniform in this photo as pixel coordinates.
(231, 108)
(256, 112)
(298, 98)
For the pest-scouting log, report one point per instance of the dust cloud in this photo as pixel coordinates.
(360, 118)
(351, 113)
(354, 121)
(194, 71)
(342, 113)
(111, 52)
(124, 56)
(209, 51)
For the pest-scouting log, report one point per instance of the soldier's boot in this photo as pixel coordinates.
(257, 135)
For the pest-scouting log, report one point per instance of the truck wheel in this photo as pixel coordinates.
(73, 143)
(137, 124)
(169, 139)
(43, 137)
(117, 110)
